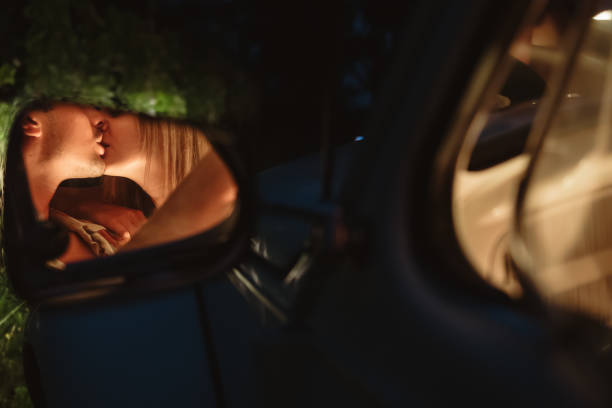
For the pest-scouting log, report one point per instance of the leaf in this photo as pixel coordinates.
(7, 74)
(12, 312)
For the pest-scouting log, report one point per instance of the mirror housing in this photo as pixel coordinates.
(31, 243)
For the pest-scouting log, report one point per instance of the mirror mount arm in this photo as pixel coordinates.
(286, 294)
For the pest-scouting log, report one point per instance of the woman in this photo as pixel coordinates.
(189, 186)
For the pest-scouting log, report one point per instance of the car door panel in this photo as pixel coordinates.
(147, 351)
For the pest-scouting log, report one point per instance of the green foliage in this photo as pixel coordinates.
(13, 314)
(7, 111)
(21, 398)
(115, 59)
(7, 74)
(91, 52)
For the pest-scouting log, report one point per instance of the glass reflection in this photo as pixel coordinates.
(150, 180)
(565, 224)
(494, 156)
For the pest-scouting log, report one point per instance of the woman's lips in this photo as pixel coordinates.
(100, 149)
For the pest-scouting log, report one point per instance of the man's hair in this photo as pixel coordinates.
(15, 135)
(45, 241)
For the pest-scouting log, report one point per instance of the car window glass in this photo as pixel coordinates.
(493, 158)
(564, 227)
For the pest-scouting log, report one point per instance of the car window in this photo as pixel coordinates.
(563, 241)
(495, 154)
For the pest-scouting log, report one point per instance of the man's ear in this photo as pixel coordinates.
(31, 125)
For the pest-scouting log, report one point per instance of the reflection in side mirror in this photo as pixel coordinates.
(118, 182)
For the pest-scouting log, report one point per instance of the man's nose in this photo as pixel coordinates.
(98, 122)
(101, 125)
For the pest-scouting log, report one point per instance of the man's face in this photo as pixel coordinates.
(70, 135)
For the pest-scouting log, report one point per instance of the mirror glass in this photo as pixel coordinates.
(564, 222)
(119, 180)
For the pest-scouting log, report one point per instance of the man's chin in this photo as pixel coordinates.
(92, 170)
(98, 168)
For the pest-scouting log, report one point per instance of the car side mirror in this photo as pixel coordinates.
(195, 212)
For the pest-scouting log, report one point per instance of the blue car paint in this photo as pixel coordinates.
(141, 352)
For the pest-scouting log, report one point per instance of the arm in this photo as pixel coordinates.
(88, 204)
(205, 198)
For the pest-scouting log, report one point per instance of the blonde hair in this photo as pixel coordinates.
(180, 147)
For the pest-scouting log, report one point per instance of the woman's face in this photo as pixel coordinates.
(123, 145)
